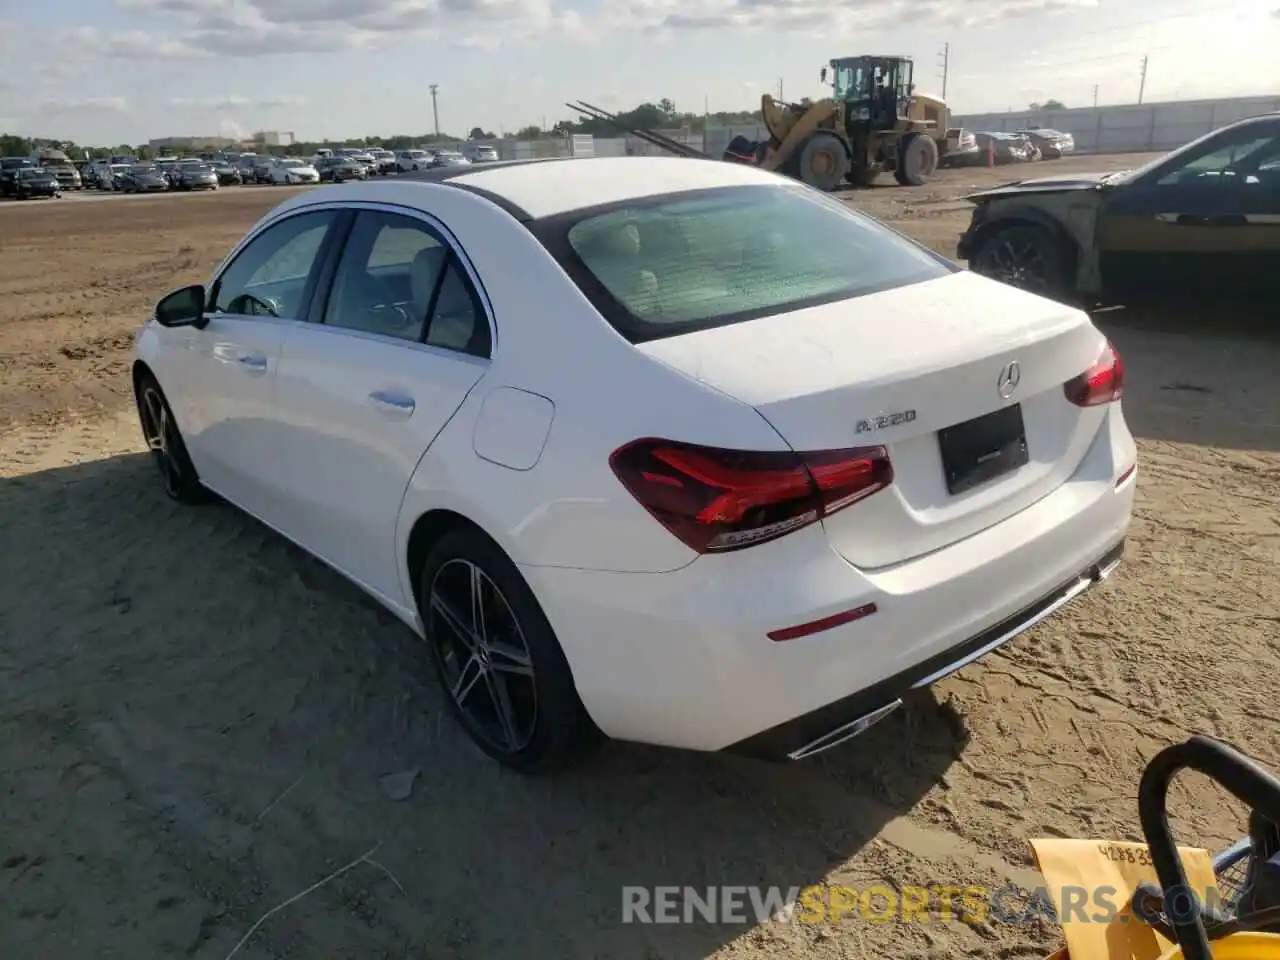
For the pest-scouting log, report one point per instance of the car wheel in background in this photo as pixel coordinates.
(504, 674)
(1024, 256)
(164, 441)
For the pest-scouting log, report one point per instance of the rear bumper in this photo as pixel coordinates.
(837, 722)
(684, 659)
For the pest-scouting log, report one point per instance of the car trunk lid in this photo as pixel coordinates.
(903, 369)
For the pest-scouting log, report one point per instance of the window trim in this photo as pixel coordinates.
(313, 276)
(324, 285)
(553, 233)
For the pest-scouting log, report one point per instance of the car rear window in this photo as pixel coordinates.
(673, 264)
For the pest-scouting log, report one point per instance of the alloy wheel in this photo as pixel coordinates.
(158, 432)
(483, 657)
(1018, 262)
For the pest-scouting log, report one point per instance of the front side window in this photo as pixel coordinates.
(1224, 164)
(668, 265)
(398, 278)
(269, 276)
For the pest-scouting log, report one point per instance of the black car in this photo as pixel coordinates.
(143, 179)
(340, 170)
(1203, 220)
(34, 182)
(9, 167)
(227, 172)
(194, 176)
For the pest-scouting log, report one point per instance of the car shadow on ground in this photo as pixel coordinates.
(1206, 374)
(198, 716)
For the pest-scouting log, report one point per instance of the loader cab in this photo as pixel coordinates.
(874, 90)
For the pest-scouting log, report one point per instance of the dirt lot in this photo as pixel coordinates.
(196, 716)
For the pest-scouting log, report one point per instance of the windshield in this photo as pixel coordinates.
(11, 163)
(138, 171)
(31, 173)
(688, 261)
(292, 163)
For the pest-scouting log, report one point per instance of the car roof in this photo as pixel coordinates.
(532, 189)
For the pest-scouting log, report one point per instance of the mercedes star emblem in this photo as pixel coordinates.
(1009, 378)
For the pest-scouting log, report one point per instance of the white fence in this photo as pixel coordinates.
(1129, 129)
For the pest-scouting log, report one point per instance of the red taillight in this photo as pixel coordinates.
(1101, 383)
(717, 500)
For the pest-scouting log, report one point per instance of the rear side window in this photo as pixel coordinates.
(673, 264)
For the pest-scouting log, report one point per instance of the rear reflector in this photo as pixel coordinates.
(718, 500)
(826, 623)
(1126, 475)
(1101, 383)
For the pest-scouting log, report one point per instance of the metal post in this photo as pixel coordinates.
(1142, 83)
(1095, 96)
(946, 67)
(435, 109)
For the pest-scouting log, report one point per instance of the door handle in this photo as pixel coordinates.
(392, 402)
(256, 363)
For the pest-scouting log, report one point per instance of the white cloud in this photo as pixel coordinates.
(237, 102)
(110, 104)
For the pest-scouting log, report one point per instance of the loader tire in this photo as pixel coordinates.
(823, 161)
(917, 160)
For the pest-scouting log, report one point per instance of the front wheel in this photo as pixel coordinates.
(504, 674)
(917, 160)
(1025, 256)
(164, 441)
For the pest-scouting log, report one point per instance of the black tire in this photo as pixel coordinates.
(823, 161)
(181, 482)
(561, 733)
(1026, 256)
(917, 160)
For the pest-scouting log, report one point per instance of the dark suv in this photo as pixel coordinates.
(9, 167)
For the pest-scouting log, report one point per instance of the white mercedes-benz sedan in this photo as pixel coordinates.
(671, 451)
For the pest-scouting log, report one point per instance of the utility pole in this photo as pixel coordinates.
(435, 109)
(1142, 84)
(946, 67)
(1095, 96)
(779, 88)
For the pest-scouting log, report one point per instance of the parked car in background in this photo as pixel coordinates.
(385, 162)
(60, 165)
(143, 178)
(340, 170)
(195, 175)
(759, 526)
(291, 170)
(9, 167)
(407, 161)
(34, 182)
(480, 153)
(228, 173)
(962, 149)
(449, 158)
(246, 163)
(1203, 220)
(1008, 147)
(113, 175)
(1052, 144)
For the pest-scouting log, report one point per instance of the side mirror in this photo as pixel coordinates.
(183, 308)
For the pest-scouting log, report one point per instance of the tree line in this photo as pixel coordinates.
(660, 115)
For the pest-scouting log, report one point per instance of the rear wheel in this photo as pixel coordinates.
(917, 160)
(1024, 256)
(504, 674)
(823, 161)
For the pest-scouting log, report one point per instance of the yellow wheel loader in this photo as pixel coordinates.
(874, 122)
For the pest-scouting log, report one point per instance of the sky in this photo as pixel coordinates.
(125, 71)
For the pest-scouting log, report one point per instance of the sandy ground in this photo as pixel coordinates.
(196, 716)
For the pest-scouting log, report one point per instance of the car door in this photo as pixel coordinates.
(1201, 224)
(401, 337)
(225, 374)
